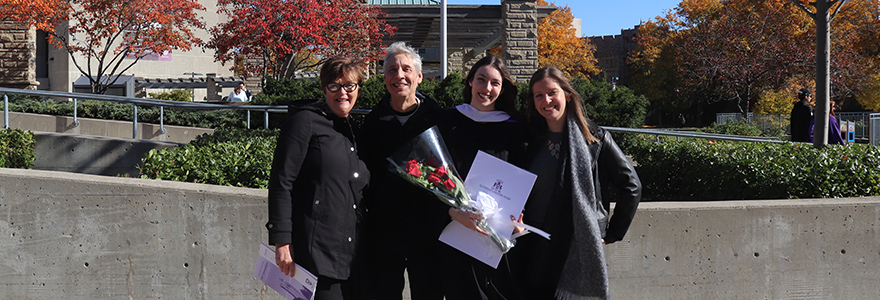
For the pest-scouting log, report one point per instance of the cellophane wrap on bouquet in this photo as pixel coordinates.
(425, 162)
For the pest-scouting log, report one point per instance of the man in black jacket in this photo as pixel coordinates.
(801, 114)
(403, 220)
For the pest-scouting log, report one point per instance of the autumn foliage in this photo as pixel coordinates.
(43, 14)
(107, 37)
(293, 35)
(708, 51)
(559, 46)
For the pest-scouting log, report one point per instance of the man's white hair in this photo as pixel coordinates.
(402, 48)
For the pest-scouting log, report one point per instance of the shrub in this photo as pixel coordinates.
(16, 148)
(285, 91)
(233, 157)
(738, 127)
(183, 95)
(689, 169)
(448, 91)
(371, 93)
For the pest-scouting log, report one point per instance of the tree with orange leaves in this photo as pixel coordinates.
(105, 38)
(706, 51)
(559, 46)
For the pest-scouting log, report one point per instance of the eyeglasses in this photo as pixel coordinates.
(334, 87)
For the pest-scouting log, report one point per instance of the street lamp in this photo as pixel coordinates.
(193, 74)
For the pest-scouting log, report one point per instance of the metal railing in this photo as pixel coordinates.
(765, 122)
(266, 109)
(75, 97)
(770, 122)
(699, 135)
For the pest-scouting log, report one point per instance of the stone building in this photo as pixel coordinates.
(17, 55)
(612, 52)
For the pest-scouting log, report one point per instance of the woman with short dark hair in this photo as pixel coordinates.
(316, 183)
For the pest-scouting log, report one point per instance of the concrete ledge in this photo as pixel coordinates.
(106, 128)
(775, 249)
(75, 236)
(92, 154)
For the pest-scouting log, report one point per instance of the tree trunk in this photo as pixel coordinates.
(823, 71)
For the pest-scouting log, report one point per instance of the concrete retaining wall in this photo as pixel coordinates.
(92, 154)
(777, 249)
(76, 236)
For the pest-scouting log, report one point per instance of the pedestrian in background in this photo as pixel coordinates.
(834, 136)
(801, 117)
(240, 94)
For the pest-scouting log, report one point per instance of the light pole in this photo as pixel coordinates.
(193, 74)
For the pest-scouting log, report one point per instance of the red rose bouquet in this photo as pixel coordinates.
(424, 161)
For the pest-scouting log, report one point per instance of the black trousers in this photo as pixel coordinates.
(389, 260)
(465, 278)
(328, 289)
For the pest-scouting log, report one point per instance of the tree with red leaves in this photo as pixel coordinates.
(293, 35)
(105, 38)
(39, 13)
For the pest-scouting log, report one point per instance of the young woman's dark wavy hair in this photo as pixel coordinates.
(574, 107)
(506, 101)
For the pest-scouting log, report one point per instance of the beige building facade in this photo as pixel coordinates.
(39, 65)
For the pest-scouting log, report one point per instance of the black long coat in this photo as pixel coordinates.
(315, 190)
(801, 115)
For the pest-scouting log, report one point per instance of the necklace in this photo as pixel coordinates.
(554, 148)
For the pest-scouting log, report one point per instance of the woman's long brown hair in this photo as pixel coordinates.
(573, 107)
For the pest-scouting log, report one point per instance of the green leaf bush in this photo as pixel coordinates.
(16, 148)
(739, 127)
(697, 169)
(233, 157)
(182, 95)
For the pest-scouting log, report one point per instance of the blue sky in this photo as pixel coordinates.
(604, 17)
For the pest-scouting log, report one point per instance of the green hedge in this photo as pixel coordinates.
(739, 127)
(233, 157)
(696, 169)
(16, 148)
